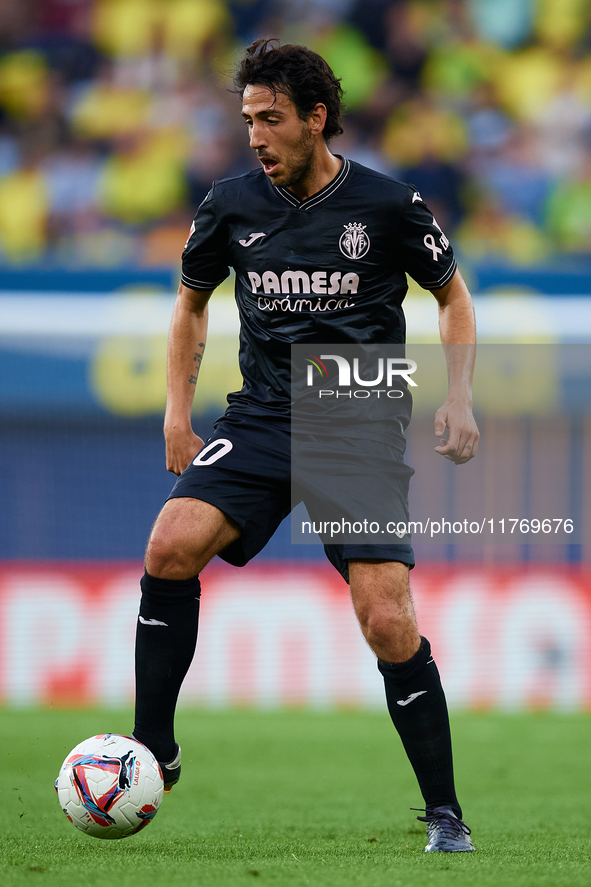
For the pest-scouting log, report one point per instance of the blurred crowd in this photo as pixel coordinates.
(115, 116)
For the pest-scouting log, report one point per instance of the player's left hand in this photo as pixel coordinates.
(462, 432)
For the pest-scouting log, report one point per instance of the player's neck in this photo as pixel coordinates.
(324, 169)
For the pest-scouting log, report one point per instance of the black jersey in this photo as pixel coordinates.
(329, 269)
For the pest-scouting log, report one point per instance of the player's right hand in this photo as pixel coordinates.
(181, 448)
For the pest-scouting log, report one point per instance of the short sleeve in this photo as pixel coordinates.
(426, 253)
(205, 263)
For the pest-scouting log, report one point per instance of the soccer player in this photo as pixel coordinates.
(281, 228)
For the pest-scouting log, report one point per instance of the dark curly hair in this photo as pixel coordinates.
(302, 75)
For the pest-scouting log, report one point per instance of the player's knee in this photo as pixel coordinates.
(385, 625)
(167, 557)
(378, 625)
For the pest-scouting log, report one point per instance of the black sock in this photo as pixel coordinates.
(417, 706)
(165, 644)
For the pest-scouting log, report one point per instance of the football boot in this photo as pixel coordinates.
(171, 772)
(446, 833)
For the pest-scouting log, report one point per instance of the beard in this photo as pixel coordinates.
(299, 162)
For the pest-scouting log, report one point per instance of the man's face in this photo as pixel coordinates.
(282, 141)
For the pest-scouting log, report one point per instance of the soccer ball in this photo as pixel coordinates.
(110, 786)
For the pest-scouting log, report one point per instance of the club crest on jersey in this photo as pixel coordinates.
(354, 242)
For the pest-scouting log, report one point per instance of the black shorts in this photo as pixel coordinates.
(245, 469)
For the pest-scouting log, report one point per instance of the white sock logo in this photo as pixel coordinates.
(410, 698)
(152, 622)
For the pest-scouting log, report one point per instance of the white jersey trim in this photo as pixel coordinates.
(200, 284)
(445, 278)
(322, 195)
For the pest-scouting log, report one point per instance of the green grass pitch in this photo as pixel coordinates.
(296, 797)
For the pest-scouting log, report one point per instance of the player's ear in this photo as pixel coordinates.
(317, 119)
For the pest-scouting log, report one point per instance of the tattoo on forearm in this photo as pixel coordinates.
(197, 358)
